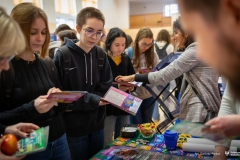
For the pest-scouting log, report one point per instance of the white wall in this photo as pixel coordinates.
(116, 13)
(7, 5)
(136, 9)
(148, 8)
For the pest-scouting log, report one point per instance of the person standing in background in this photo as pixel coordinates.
(163, 45)
(120, 65)
(144, 59)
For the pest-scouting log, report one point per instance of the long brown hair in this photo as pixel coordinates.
(149, 54)
(25, 14)
(163, 35)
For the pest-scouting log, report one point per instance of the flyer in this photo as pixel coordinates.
(67, 96)
(129, 84)
(123, 100)
(195, 129)
(36, 142)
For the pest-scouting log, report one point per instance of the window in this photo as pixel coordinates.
(170, 9)
(69, 22)
(65, 6)
(89, 3)
(38, 3)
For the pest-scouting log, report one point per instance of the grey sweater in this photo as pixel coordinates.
(189, 65)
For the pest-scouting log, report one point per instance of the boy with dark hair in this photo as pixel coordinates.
(215, 25)
(84, 119)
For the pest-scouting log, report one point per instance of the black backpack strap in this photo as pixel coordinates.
(66, 57)
(165, 46)
(51, 70)
(8, 78)
(101, 57)
(161, 52)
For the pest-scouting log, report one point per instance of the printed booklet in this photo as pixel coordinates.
(123, 100)
(36, 142)
(67, 96)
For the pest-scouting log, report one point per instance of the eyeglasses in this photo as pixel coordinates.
(91, 33)
(146, 45)
(4, 59)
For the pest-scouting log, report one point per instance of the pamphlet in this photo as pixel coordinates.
(123, 100)
(129, 84)
(143, 71)
(67, 96)
(195, 129)
(36, 142)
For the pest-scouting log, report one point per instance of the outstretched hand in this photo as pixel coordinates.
(225, 125)
(21, 129)
(129, 78)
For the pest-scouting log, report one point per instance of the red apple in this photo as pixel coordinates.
(9, 144)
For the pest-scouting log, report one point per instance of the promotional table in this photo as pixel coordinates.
(148, 149)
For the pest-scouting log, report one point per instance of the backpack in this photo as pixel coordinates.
(130, 52)
(161, 52)
(67, 60)
(9, 76)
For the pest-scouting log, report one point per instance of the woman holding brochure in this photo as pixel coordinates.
(121, 65)
(202, 77)
(27, 79)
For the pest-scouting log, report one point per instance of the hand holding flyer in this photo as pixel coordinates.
(123, 100)
(67, 96)
(195, 129)
(36, 142)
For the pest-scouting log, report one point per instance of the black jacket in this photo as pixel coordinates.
(86, 116)
(124, 68)
(31, 80)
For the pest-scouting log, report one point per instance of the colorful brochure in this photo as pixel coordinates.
(67, 96)
(129, 84)
(36, 142)
(195, 129)
(123, 100)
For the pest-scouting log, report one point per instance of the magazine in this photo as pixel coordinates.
(195, 129)
(67, 96)
(129, 84)
(123, 100)
(36, 142)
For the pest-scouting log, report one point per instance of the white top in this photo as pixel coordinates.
(161, 44)
(141, 92)
(228, 106)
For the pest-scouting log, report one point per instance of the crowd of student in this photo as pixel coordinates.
(81, 129)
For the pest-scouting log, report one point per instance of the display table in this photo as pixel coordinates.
(143, 148)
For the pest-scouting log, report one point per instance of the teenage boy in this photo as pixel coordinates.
(215, 25)
(84, 119)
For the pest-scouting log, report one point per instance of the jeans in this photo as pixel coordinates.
(141, 116)
(84, 147)
(156, 115)
(55, 150)
(114, 124)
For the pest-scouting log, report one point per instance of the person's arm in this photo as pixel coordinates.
(59, 62)
(185, 62)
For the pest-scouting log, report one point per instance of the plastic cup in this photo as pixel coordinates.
(170, 138)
